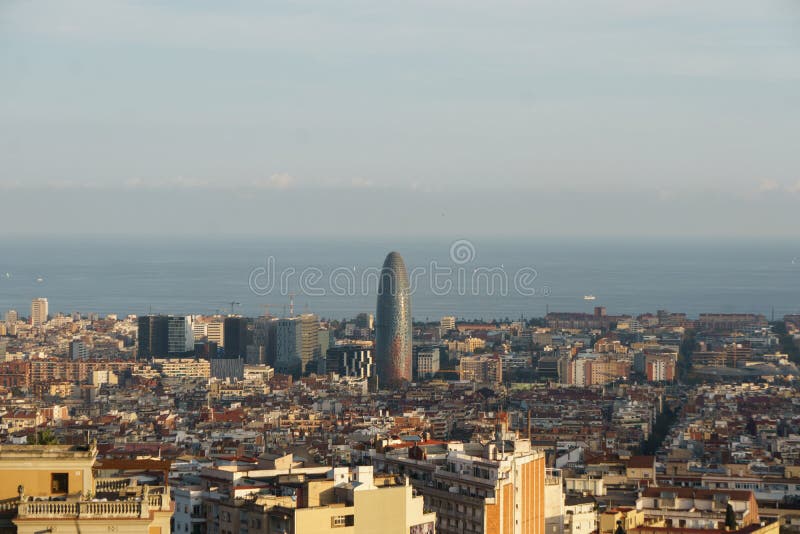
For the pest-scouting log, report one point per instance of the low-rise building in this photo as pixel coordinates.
(52, 488)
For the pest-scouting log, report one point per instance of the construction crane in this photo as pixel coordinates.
(234, 303)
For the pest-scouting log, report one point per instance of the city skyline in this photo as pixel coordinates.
(586, 321)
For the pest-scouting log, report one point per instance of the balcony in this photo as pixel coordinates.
(152, 499)
(111, 484)
(433, 491)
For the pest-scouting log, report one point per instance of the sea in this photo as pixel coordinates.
(335, 278)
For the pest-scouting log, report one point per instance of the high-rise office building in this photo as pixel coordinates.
(393, 322)
(324, 341)
(153, 336)
(11, 317)
(164, 335)
(39, 311)
(447, 323)
(215, 332)
(296, 343)
(350, 360)
(235, 337)
(309, 339)
(200, 331)
(180, 334)
(264, 339)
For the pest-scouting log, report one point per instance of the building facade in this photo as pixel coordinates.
(350, 360)
(296, 341)
(393, 323)
(497, 488)
(39, 311)
(52, 488)
(426, 362)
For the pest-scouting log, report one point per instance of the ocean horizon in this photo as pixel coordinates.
(479, 278)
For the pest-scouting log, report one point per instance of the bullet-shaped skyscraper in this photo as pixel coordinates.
(393, 322)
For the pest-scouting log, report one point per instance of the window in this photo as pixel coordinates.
(59, 483)
(342, 521)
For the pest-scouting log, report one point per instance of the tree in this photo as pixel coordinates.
(619, 529)
(43, 437)
(730, 518)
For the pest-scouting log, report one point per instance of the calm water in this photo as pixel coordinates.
(185, 276)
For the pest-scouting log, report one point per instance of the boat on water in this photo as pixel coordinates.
(589, 297)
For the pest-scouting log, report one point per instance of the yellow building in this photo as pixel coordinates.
(484, 369)
(51, 488)
(183, 367)
(45, 470)
(641, 470)
(629, 518)
(22, 419)
(343, 501)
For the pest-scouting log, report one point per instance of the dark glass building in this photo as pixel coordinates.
(235, 336)
(393, 322)
(350, 360)
(153, 337)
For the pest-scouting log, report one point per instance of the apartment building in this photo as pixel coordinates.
(52, 488)
(341, 500)
(697, 508)
(498, 488)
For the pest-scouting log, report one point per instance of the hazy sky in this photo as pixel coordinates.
(452, 117)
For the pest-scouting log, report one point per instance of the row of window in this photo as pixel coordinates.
(343, 521)
(443, 504)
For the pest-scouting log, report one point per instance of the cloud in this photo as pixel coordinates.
(768, 185)
(795, 188)
(281, 180)
(361, 182)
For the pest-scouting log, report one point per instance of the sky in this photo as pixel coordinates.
(421, 117)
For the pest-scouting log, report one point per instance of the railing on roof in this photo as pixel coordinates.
(112, 483)
(154, 499)
(8, 505)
